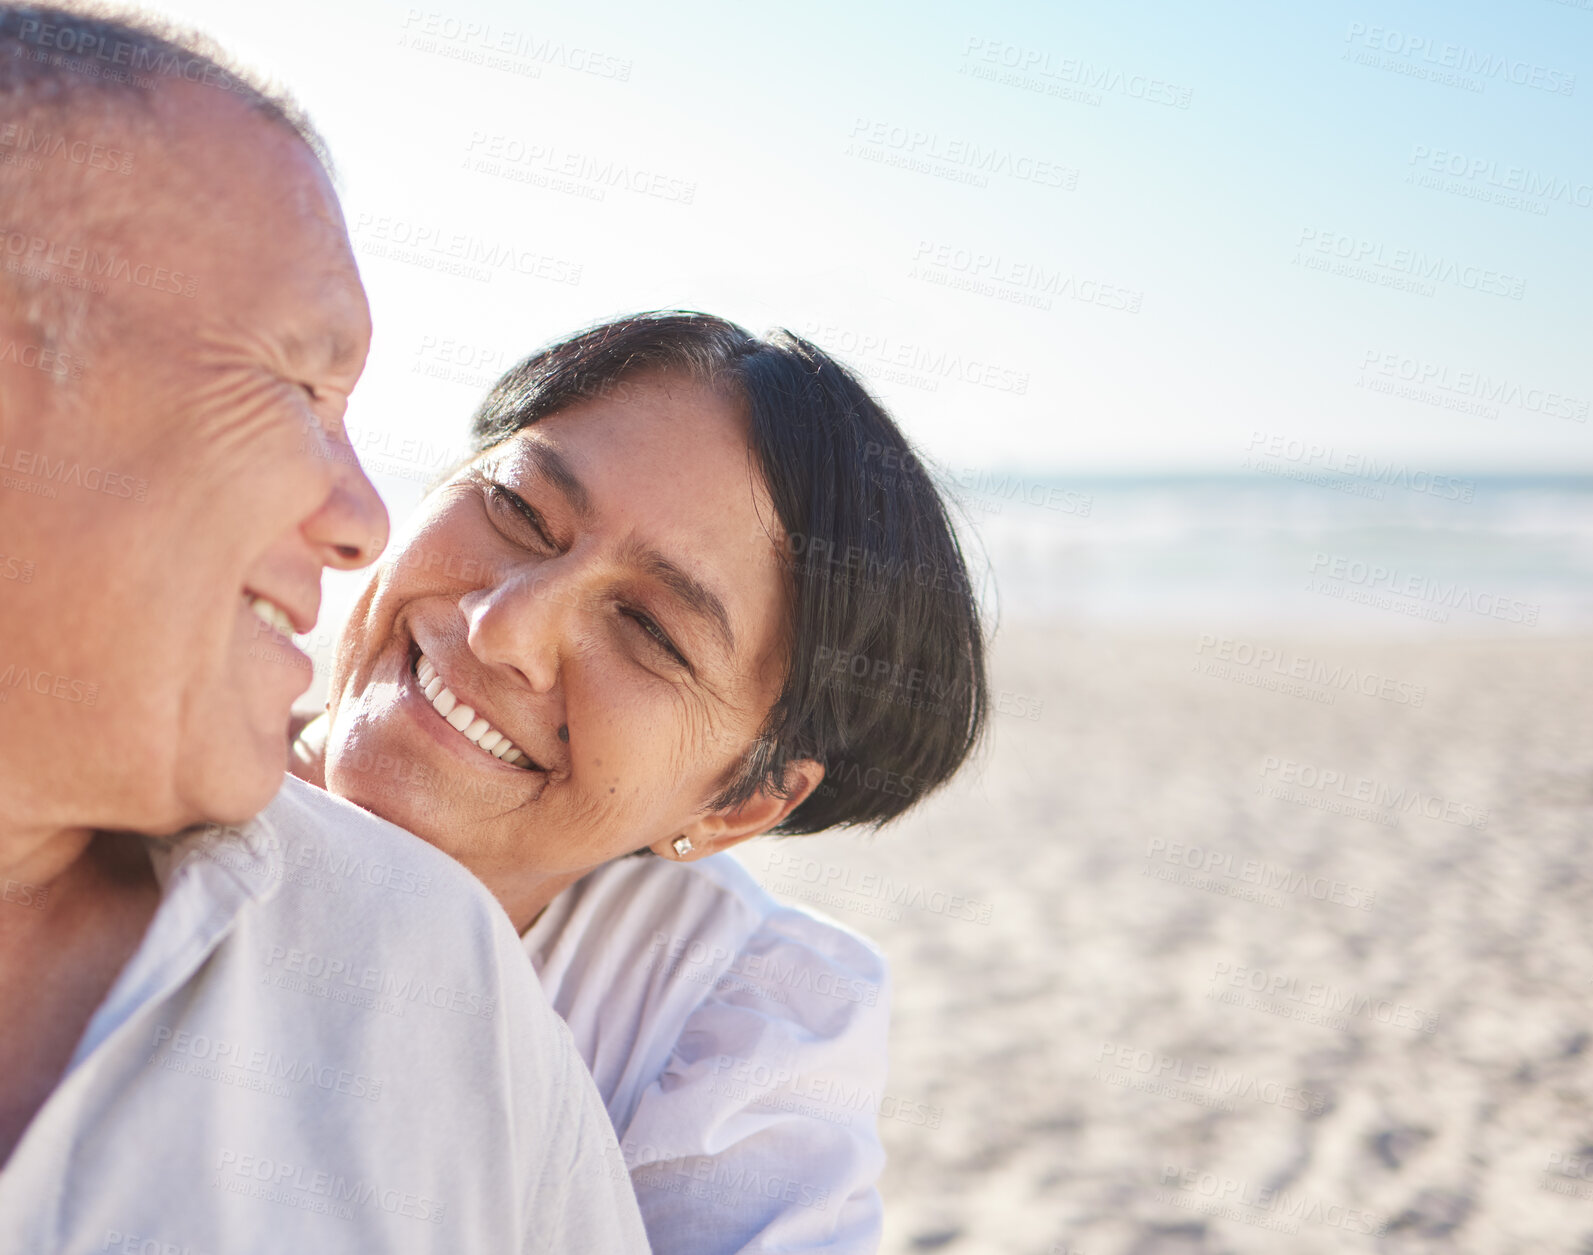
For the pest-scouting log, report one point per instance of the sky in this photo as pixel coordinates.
(1069, 238)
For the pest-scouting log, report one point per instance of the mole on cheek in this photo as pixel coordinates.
(564, 732)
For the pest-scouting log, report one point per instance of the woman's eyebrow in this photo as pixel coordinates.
(552, 466)
(696, 596)
(691, 592)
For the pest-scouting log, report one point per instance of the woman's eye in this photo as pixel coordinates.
(511, 507)
(657, 635)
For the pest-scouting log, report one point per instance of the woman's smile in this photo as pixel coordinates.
(464, 720)
(464, 746)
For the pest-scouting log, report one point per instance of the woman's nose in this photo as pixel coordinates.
(524, 619)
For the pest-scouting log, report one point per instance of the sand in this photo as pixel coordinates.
(1187, 998)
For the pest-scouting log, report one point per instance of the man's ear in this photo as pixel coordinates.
(721, 829)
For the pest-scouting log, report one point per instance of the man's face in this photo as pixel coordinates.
(602, 590)
(210, 417)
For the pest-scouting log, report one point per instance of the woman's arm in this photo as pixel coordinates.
(761, 1132)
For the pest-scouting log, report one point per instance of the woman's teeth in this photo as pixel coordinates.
(463, 719)
(271, 614)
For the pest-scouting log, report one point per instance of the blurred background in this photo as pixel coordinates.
(1252, 343)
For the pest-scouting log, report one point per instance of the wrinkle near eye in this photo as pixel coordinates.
(706, 738)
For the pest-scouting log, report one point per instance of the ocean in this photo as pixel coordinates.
(1331, 553)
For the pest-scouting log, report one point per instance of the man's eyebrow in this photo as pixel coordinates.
(697, 596)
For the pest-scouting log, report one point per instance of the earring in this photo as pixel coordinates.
(682, 846)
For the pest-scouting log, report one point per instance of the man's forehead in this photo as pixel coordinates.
(228, 238)
(255, 198)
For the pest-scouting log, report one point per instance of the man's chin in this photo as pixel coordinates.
(233, 787)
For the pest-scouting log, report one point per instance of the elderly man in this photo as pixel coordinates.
(304, 1030)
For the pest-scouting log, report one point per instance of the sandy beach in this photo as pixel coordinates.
(1241, 944)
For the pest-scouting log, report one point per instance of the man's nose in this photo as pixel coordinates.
(351, 528)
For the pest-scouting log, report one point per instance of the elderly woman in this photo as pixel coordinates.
(693, 587)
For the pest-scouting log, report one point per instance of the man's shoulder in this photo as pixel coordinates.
(324, 841)
(330, 879)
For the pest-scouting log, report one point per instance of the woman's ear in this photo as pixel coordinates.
(722, 829)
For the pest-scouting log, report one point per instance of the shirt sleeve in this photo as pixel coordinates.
(760, 1134)
(579, 1197)
(594, 1208)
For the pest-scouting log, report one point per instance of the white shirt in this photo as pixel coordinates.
(327, 1041)
(740, 1045)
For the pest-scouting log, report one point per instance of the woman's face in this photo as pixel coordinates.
(601, 589)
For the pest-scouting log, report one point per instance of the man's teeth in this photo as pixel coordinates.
(271, 614)
(463, 719)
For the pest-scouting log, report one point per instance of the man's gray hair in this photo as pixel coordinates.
(72, 79)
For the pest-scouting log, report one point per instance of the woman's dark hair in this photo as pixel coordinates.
(886, 682)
